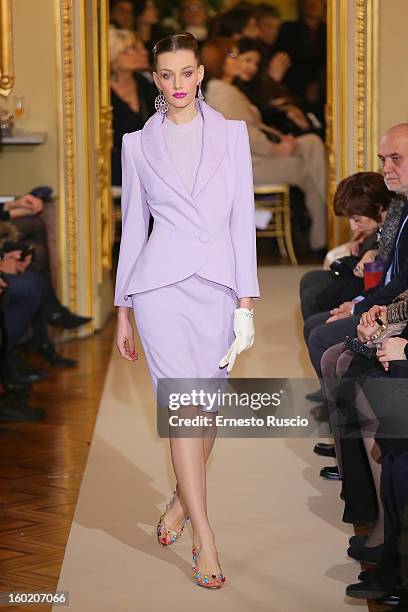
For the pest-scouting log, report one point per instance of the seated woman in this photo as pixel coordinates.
(132, 95)
(358, 458)
(300, 162)
(364, 200)
(373, 441)
(278, 107)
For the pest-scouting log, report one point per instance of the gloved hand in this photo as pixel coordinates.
(244, 336)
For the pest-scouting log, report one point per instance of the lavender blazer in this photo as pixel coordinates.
(210, 232)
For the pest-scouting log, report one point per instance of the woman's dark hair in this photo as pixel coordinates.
(213, 53)
(139, 7)
(113, 3)
(235, 20)
(363, 193)
(246, 44)
(267, 10)
(182, 40)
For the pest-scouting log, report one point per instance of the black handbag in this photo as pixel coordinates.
(344, 266)
(354, 345)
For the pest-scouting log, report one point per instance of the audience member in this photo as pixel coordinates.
(194, 18)
(272, 99)
(364, 199)
(276, 158)
(304, 41)
(122, 14)
(147, 20)
(269, 24)
(132, 95)
(323, 330)
(237, 22)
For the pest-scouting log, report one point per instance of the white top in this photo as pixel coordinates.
(184, 143)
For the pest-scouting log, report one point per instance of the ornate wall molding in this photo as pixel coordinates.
(6, 49)
(366, 69)
(352, 76)
(372, 82)
(104, 142)
(84, 144)
(330, 117)
(67, 210)
(360, 82)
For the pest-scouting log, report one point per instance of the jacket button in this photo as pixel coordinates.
(203, 237)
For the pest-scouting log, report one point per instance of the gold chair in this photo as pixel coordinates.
(275, 198)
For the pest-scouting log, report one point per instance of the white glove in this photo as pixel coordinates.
(244, 336)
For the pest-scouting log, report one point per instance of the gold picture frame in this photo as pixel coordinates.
(6, 49)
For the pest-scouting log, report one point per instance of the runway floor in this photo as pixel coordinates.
(278, 525)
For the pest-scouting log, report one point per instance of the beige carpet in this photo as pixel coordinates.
(278, 524)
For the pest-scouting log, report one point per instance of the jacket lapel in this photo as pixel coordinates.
(213, 150)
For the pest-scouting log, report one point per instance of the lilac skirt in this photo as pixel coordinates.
(185, 328)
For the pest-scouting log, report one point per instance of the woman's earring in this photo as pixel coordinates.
(200, 93)
(160, 103)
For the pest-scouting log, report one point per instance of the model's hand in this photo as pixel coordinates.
(244, 336)
(124, 338)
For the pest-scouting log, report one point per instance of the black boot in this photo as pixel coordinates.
(49, 353)
(13, 376)
(25, 367)
(63, 317)
(12, 411)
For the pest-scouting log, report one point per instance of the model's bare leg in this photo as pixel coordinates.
(189, 461)
(176, 514)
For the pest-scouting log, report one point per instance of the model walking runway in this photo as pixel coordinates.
(266, 498)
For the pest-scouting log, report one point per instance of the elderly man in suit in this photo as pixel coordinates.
(327, 329)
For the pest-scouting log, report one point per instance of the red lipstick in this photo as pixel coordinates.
(179, 94)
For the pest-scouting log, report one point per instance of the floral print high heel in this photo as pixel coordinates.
(213, 581)
(166, 536)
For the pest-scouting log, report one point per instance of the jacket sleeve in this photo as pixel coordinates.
(397, 312)
(242, 219)
(135, 222)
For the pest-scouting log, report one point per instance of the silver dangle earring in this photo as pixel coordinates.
(160, 103)
(200, 93)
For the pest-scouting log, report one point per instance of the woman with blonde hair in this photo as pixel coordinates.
(132, 95)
